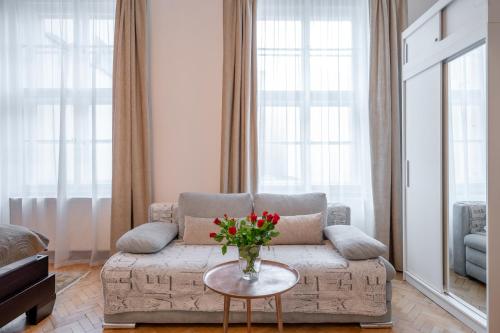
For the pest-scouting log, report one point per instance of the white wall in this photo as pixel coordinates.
(417, 7)
(186, 92)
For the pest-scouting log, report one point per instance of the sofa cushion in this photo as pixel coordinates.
(292, 204)
(476, 241)
(147, 238)
(198, 229)
(475, 257)
(213, 205)
(353, 243)
(299, 229)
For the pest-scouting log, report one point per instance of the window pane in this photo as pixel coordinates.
(280, 71)
(279, 34)
(331, 34)
(331, 124)
(281, 124)
(331, 72)
(280, 164)
(331, 164)
(104, 122)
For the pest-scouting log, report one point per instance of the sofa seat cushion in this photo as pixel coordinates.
(171, 280)
(212, 205)
(476, 241)
(292, 204)
(475, 257)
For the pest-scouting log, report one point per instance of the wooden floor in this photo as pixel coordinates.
(79, 309)
(468, 289)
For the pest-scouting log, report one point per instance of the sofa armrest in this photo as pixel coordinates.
(338, 214)
(468, 217)
(163, 212)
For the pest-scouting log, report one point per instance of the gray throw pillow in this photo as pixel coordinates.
(147, 238)
(354, 244)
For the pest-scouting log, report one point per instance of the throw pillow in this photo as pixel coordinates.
(354, 244)
(147, 238)
(299, 229)
(197, 230)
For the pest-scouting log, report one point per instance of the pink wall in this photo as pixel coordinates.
(186, 92)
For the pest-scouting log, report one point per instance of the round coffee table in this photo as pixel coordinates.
(274, 279)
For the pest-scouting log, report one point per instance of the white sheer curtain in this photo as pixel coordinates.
(313, 72)
(55, 120)
(467, 127)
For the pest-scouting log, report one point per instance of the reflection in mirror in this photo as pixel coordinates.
(467, 226)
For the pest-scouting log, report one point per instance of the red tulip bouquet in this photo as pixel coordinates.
(248, 234)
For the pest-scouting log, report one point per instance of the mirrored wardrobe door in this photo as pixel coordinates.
(465, 130)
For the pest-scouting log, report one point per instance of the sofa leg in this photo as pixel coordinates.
(117, 325)
(376, 325)
(39, 312)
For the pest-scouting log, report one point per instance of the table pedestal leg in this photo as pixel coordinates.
(279, 315)
(249, 315)
(227, 303)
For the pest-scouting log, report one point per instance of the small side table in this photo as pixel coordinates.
(274, 279)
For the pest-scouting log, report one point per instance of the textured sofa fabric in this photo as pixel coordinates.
(212, 205)
(469, 239)
(172, 280)
(292, 204)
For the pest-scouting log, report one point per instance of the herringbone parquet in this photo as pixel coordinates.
(79, 309)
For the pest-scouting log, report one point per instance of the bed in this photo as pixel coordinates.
(26, 286)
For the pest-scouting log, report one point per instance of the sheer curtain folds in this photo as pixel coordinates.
(313, 66)
(56, 61)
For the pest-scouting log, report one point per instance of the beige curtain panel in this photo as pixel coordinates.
(131, 189)
(387, 19)
(239, 98)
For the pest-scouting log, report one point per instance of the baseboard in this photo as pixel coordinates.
(458, 310)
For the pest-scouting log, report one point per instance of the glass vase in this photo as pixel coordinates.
(249, 260)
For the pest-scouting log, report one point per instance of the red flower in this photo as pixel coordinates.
(213, 234)
(232, 230)
(269, 217)
(264, 213)
(253, 217)
(217, 221)
(260, 223)
(276, 218)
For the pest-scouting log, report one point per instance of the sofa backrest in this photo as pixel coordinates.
(468, 217)
(336, 213)
(291, 204)
(212, 205)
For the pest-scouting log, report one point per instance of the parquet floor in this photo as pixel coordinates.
(79, 309)
(468, 289)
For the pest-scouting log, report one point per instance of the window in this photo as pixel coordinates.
(57, 112)
(313, 99)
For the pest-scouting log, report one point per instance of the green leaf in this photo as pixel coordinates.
(224, 249)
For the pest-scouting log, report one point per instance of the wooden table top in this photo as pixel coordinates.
(274, 278)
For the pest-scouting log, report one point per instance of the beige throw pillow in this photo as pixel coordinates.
(299, 229)
(198, 229)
